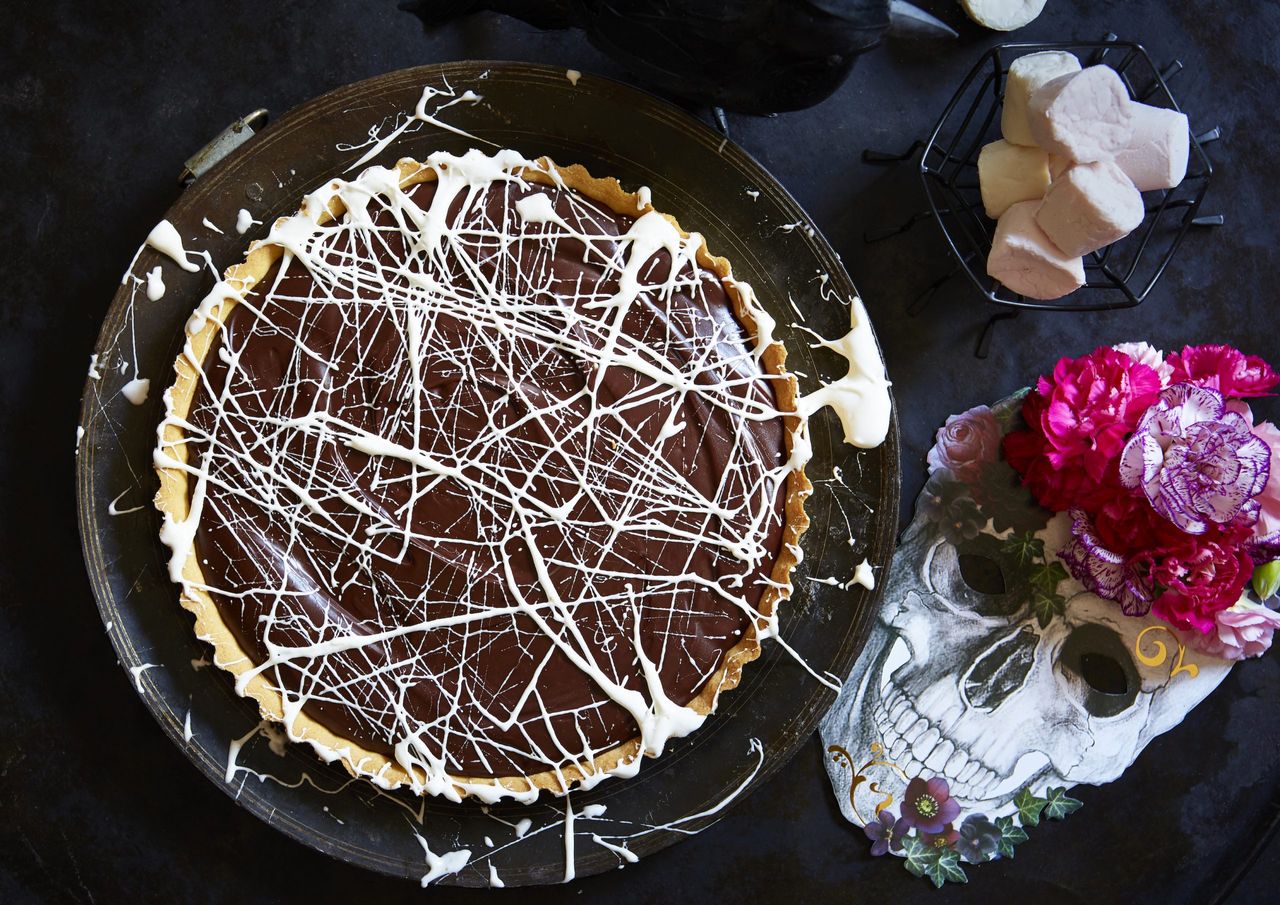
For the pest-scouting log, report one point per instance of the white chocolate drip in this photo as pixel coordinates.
(441, 865)
(155, 284)
(861, 397)
(137, 671)
(136, 390)
(244, 221)
(164, 238)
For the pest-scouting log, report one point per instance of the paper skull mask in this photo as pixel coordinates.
(988, 664)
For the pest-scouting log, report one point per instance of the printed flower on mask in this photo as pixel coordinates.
(885, 833)
(965, 444)
(928, 806)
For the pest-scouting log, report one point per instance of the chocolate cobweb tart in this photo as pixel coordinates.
(482, 476)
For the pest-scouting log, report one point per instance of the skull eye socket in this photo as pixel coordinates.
(1102, 669)
(981, 573)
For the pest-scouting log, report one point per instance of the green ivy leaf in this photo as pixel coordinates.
(1025, 548)
(916, 855)
(1010, 835)
(1046, 606)
(1029, 807)
(938, 863)
(945, 867)
(1058, 804)
(1047, 576)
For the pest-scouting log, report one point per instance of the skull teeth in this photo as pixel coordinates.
(919, 745)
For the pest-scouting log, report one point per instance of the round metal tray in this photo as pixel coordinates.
(713, 187)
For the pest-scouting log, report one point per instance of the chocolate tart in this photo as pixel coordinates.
(482, 476)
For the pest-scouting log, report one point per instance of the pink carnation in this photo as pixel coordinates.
(1077, 423)
(1242, 630)
(1223, 368)
(1200, 580)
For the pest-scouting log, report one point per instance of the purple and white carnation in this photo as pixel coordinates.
(1196, 459)
(1107, 573)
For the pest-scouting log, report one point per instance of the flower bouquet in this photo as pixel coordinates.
(1170, 486)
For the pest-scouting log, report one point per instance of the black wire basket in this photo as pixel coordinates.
(1118, 276)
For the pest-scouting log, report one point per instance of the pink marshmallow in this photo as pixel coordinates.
(1156, 156)
(1024, 259)
(1089, 206)
(1085, 116)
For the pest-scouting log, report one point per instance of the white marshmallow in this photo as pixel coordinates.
(1156, 157)
(1025, 260)
(1086, 116)
(1009, 173)
(1026, 74)
(1003, 15)
(1092, 205)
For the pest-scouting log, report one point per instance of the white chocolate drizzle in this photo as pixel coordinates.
(414, 298)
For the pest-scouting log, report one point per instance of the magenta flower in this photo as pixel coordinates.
(1196, 461)
(965, 444)
(1242, 630)
(885, 833)
(1225, 369)
(1077, 422)
(928, 806)
(1199, 581)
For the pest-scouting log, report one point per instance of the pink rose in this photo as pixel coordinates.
(1223, 368)
(1267, 531)
(1077, 424)
(966, 443)
(1243, 630)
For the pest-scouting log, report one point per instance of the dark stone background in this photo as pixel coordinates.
(99, 106)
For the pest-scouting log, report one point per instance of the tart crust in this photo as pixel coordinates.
(172, 501)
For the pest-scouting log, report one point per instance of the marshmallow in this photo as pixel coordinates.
(1003, 15)
(1058, 165)
(1026, 74)
(1092, 205)
(1086, 116)
(1156, 157)
(1023, 258)
(1008, 174)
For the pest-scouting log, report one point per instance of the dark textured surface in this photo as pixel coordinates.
(99, 112)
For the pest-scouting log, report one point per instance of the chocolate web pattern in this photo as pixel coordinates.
(485, 477)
